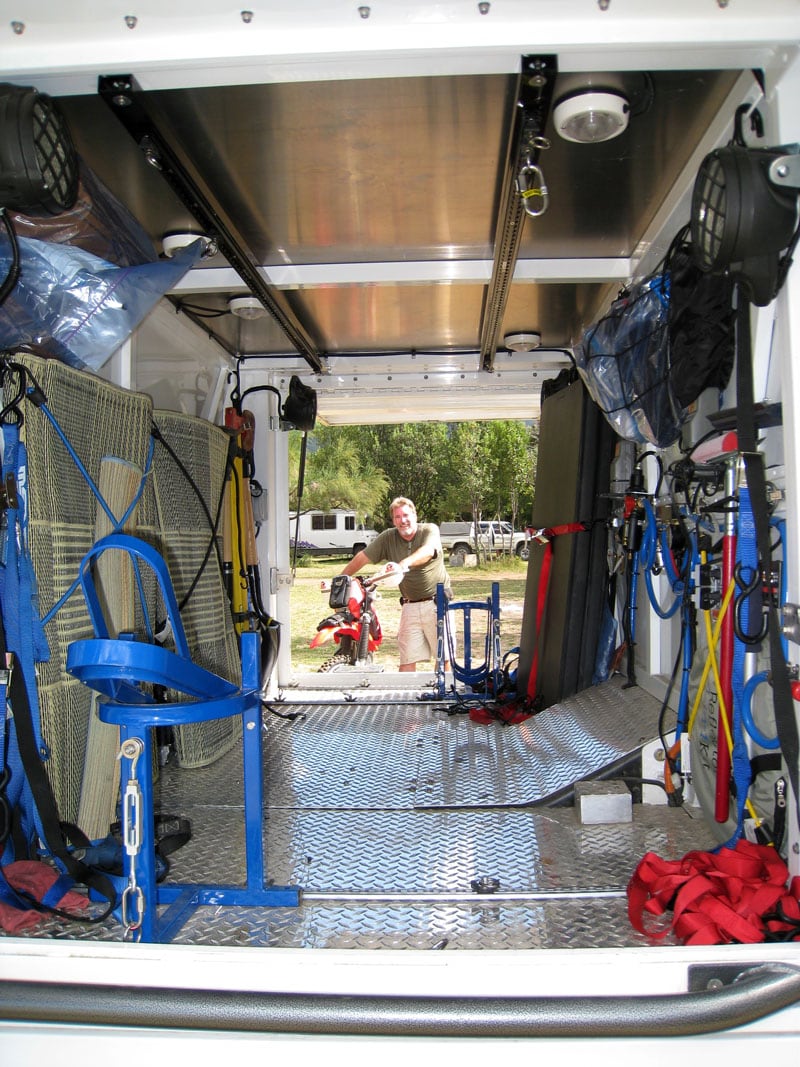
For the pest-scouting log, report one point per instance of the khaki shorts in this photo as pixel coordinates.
(417, 634)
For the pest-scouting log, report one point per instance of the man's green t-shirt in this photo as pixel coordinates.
(420, 582)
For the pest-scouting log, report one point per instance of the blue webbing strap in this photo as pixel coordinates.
(26, 643)
(24, 633)
(748, 565)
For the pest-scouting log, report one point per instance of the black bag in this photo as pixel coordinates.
(340, 592)
(658, 347)
(701, 324)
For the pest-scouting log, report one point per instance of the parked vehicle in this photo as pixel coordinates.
(322, 533)
(493, 537)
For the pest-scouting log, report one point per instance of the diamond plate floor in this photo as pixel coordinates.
(389, 815)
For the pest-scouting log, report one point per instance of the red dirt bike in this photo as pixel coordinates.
(354, 624)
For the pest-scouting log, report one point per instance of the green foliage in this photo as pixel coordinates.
(341, 471)
(416, 460)
(466, 470)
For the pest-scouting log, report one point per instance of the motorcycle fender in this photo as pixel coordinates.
(322, 636)
(337, 632)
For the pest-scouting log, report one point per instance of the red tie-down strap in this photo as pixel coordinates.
(545, 536)
(738, 895)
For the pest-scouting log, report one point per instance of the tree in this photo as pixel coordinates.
(340, 471)
(513, 445)
(460, 470)
(416, 459)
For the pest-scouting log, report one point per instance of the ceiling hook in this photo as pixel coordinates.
(533, 190)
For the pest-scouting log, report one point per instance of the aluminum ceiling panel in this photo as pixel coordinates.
(353, 170)
(406, 170)
(603, 196)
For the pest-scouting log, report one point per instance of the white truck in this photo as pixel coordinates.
(493, 537)
(323, 533)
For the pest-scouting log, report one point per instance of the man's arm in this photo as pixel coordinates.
(428, 550)
(359, 560)
(424, 554)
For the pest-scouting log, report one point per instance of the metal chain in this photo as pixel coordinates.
(133, 901)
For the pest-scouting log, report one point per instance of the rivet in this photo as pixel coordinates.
(247, 17)
(18, 27)
(365, 11)
(484, 7)
(131, 21)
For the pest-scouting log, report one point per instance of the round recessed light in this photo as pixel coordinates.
(174, 242)
(522, 342)
(246, 307)
(591, 115)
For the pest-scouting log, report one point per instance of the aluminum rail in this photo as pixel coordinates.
(530, 105)
(756, 993)
(129, 104)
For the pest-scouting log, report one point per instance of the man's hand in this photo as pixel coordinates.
(325, 585)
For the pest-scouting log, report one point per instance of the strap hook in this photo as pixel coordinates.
(533, 189)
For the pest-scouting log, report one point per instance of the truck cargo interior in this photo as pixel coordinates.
(222, 228)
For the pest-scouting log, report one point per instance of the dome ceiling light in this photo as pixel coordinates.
(522, 342)
(590, 115)
(246, 307)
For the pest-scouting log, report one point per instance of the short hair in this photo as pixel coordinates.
(401, 502)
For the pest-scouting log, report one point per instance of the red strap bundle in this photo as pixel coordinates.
(737, 895)
(511, 714)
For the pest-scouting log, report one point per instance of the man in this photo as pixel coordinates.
(414, 550)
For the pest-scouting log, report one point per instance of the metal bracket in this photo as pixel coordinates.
(790, 626)
(785, 171)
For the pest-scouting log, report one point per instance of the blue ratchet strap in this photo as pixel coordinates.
(747, 561)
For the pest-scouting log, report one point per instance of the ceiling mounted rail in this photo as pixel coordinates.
(128, 102)
(522, 189)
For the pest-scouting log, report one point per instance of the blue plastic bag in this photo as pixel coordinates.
(79, 308)
(624, 361)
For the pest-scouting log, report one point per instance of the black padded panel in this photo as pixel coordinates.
(576, 446)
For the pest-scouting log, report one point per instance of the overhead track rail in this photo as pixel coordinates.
(531, 102)
(129, 104)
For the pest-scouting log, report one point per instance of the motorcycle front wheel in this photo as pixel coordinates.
(340, 662)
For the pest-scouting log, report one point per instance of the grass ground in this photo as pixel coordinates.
(310, 605)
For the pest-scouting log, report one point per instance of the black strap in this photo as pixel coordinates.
(45, 801)
(783, 702)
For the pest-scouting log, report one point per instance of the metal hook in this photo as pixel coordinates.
(11, 413)
(533, 190)
(748, 588)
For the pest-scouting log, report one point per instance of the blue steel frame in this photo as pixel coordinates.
(483, 677)
(116, 668)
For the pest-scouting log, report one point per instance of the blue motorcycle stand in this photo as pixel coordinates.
(117, 668)
(482, 677)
